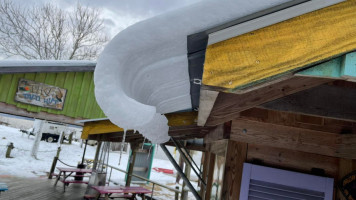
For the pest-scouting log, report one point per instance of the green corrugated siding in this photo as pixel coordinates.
(80, 100)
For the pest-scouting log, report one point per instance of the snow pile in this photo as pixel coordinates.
(143, 72)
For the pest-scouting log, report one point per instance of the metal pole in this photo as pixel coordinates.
(110, 175)
(190, 157)
(187, 161)
(179, 170)
(85, 148)
(153, 187)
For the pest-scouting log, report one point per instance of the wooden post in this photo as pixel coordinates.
(8, 151)
(95, 163)
(176, 197)
(37, 127)
(132, 163)
(187, 171)
(181, 165)
(54, 163)
(235, 157)
(61, 138)
(210, 174)
(206, 156)
(70, 138)
(346, 166)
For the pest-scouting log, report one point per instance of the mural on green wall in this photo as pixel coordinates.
(80, 100)
(40, 94)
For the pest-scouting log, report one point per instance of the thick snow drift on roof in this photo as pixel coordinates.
(143, 72)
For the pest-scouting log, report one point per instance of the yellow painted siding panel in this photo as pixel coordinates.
(281, 48)
(99, 127)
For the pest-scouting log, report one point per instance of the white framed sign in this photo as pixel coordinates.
(40, 94)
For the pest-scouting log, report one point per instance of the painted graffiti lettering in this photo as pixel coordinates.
(32, 97)
(50, 101)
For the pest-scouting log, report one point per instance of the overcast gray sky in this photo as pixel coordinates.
(119, 14)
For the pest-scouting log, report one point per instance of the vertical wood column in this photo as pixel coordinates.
(346, 166)
(235, 157)
(206, 157)
(98, 147)
(187, 170)
(134, 148)
(209, 182)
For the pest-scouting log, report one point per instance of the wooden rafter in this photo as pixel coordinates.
(13, 110)
(228, 106)
(300, 121)
(325, 100)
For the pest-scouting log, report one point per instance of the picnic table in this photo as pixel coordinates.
(62, 176)
(125, 192)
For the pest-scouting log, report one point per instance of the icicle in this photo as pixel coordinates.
(122, 145)
(143, 143)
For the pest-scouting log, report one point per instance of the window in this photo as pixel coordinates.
(263, 183)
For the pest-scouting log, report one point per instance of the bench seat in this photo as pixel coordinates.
(73, 181)
(125, 196)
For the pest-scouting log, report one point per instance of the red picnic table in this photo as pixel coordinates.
(64, 170)
(124, 191)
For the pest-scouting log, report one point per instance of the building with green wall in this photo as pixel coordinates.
(74, 76)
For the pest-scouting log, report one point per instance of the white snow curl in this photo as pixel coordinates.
(143, 72)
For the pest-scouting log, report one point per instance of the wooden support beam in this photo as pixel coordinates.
(325, 101)
(187, 171)
(206, 158)
(235, 157)
(209, 183)
(220, 132)
(13, 110)
(218, 147)
(206, 103)
(228, 106)
(292, 160)
(317, 142)
(273, 51)
(300, 121)
(132, 163)
(346, 166)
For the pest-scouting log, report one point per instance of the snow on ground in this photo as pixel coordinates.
(23, 165)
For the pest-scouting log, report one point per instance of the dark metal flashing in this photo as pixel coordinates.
(197, 44)
(199, 41)
(196, 65)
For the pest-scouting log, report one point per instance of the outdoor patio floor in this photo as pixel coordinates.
(39, 189)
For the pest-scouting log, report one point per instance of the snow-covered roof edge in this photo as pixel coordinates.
(28, 66)
(143, 72)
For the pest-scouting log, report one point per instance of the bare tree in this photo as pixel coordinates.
(49, 33)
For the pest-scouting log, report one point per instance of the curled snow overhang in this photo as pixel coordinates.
(143, 72)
